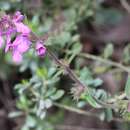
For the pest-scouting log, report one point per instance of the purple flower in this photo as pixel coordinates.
(14, 26)
(1, 41)
(21, 43)
(18, 17)
(21, 28)
(19, 46)
(40, 48)
(17, 57)
(8, 43)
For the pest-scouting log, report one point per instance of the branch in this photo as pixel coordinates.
(106, 61)
(80, 86)
(83, 112)
(67, 69)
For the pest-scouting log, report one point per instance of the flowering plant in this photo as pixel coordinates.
(60, 75)
(13, 26)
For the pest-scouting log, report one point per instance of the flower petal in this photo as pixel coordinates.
(17, 57)
(22, 28)
(8, 43)
(1, 41)
(18, 17)
(21, 43)
(40, 48)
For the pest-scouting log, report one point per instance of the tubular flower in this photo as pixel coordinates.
(17, 57)
(40, 48)
(13, 26)
(21, 28)
(21, 44)
(1, 41)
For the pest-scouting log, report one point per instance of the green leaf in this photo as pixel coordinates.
(48, 103)
(4, 5)
(108, 50)
(30, 121)
(101, 94)
(97, 82)
(42, 72)
(90, 100)
(86, 78)
(77, 47)
(108, 114)
(57, 95)
(126, 54)
(50, 91)
(127, 87)
(62, 39)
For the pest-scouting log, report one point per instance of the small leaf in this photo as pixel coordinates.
(77, 47)
(42, 72)
(126, 54)
(62, 39)
(108, 114)
(57, 95)
(15, 114)
(50, 91)
(127, 87)
(102, 116)
(108, 50)
(97, 82)
(34, 79)
(90, 100)
(48, 103)
(30, 121)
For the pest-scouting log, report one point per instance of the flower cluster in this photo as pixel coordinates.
(12, 27)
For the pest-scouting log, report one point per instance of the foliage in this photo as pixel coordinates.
(45, 85)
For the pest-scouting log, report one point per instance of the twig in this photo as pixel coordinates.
(106, 61)
(83, 112)
(70, 127)
(68, 70)
(76, 110)
(81, 87)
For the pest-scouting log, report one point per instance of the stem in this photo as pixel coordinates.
(83, 112)
(72, 75)
(81, 86)
(106, 61)
(67, 69)
(76, 110)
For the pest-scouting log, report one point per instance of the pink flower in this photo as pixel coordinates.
(17, 20)
(21, 28)
(21, 43)
(8, 43)
(1, 41)
(40, 48)
(14, 27)
(17, 57)
(18, 17)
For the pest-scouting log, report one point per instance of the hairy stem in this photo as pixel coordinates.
(67, 69)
